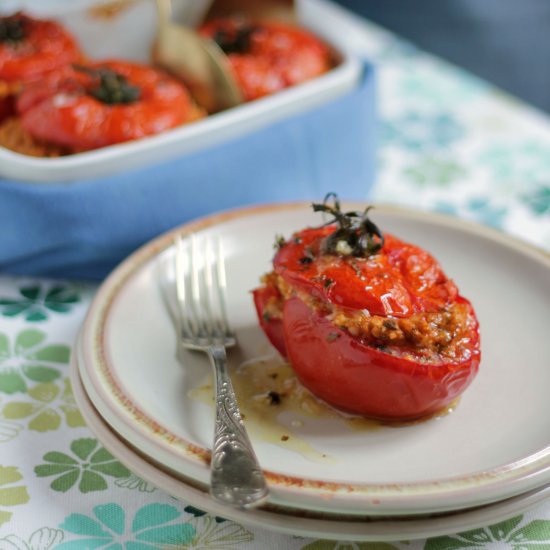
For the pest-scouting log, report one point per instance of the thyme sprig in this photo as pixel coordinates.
(12, 29)
(355, 235)
(110, 87)
(237, 40)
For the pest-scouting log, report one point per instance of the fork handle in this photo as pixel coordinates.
(236, 477)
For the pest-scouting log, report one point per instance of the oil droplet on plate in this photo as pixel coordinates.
(277, 409)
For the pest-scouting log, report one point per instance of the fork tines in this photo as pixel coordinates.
(200, 291)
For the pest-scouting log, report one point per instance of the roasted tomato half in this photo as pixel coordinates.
(88, 106)
(267, 57)
(30, 48)
(369, 323)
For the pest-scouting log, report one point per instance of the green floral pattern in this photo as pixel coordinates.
(422, 131)
(12, 493)
(521, 163)
(87, 468)
(210, 535)
(153, 527)
(135, 483)
(480, 209)
(36, 301)
(538, 200)
(45, 408)
(431, 170)
(45, 538)
(200, 513)
(29, 360)
(534, 535)
(9, 430)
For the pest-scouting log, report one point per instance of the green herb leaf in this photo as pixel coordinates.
(355, 235)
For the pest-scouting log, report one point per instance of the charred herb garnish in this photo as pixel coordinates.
(12, 29)
(274, 398)
(328, 282)
(308, 256)
(236, 40)
(110, 87)
(356, 235)
(279, 242)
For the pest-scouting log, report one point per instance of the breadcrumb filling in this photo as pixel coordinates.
(15, 138)
(428, 336)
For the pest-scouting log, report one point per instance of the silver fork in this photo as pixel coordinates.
(235, 475)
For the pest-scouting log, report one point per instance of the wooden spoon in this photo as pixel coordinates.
(199, 62)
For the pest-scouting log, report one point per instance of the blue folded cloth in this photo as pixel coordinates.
(83, 229)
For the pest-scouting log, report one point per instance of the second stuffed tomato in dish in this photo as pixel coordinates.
(92, 105)
(370, 324)
(266, 57)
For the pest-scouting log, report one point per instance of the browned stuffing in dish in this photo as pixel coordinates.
(15, 138)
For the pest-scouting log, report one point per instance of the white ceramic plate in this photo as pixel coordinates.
(290, 521)
(129, 36)
(495, 445)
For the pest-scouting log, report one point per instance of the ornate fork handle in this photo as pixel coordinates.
(236, 476)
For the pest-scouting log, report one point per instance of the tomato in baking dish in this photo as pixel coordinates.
(83, 107)
(30, 48)
(370, 324)
(266, 57)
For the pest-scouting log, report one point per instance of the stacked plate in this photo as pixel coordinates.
(485, 461)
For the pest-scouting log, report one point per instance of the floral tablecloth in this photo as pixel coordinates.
(449, 142)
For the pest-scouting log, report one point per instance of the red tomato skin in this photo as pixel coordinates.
(363, 380)
(58, 110)
(7, 107)
(280, 56)
(47, 46)
(400, 280)
(273, 328)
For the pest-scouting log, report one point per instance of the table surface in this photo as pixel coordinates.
(449, 142)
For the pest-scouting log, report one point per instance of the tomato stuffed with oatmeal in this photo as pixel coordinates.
(370, 324)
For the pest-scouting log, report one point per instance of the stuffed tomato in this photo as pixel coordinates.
(92, 105)
(266, 57)
(29, 49)
(370, 324)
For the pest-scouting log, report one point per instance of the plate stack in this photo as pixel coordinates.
(487, 460)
